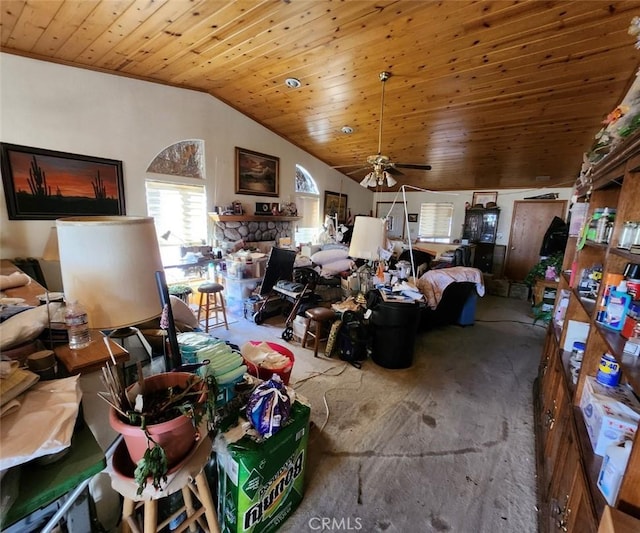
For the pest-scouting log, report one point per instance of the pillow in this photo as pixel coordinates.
(335, 267)
(182, 312)
(25, 326)
(13, 280)
(328, 256)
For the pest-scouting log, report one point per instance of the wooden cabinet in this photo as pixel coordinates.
(480, 228)
(481, 225)
(569, 499)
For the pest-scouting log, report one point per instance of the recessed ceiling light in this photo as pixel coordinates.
(347, 130)
(293, 83)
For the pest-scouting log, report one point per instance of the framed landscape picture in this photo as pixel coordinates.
(257, 173)
(335, 203)
(45, 185)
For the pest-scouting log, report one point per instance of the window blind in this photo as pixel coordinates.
(308, 228)
(435, 221)
(180, 209)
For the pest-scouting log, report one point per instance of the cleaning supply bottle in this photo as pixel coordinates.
(617, 306)
(612, 470)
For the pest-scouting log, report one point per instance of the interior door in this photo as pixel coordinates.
(530, 221)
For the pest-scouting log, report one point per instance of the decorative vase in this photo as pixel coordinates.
(176, 436)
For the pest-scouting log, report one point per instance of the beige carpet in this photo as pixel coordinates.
(446, 445)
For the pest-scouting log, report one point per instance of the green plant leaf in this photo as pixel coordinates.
(153, 465)
(539, 269)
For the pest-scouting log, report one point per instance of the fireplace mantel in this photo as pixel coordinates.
(252, 228)
(251, 218)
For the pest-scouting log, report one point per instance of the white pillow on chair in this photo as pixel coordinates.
(324, 257)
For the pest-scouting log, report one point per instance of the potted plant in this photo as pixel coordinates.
(546, 269)
(540, 269)
(159, 418)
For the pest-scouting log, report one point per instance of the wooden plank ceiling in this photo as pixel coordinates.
(493, 94)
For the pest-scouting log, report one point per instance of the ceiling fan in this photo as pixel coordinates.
(382, 168)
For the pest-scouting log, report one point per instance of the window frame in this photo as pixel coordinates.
(184, 227)
(437, 234)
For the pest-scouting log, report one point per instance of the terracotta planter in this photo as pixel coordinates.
(176, 436)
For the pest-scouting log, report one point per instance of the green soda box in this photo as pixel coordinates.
(260, 484)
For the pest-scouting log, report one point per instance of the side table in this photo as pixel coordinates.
(92, 357)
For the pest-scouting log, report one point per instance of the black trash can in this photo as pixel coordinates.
(393, 333)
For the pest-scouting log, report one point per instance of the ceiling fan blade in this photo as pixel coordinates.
(416, 167)
(361, 169)
(393, 170)
(347, 166)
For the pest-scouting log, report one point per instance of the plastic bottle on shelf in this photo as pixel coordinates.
(617, 307)
(612, 469)
(601, 226)
(77, 322)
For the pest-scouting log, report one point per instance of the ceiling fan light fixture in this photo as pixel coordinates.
(382, 166)
(369, 180)
(390, 179)
(293, 83)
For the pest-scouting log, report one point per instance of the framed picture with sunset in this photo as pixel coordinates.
(44, 184)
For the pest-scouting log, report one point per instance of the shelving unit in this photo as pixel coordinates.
(569, 499)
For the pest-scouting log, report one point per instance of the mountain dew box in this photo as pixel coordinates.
(261, 483)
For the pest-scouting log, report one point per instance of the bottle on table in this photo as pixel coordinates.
(77, 322)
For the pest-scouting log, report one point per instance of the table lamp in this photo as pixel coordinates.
(368, 237)
(50, 263)
(111, 265)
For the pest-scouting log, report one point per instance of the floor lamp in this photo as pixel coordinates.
(403, 190)
(112, 266)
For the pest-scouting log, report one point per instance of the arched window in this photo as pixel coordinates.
(308, 204)
(304, 182)
(178, 204)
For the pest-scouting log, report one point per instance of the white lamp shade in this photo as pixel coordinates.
(51, 252)
(108, 265)
(369, 235)
(391, 181)
(366, 182)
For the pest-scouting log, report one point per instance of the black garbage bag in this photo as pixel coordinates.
(555, 238)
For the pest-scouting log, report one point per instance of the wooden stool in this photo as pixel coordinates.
(189, 478)
(319, 316)
(211, 293)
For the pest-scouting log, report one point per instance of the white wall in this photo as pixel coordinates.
(62, 108)
(84, 112)
(506, 198)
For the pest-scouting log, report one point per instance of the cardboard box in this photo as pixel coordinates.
(261, 484)
(497, 287)
(518, 291)
(610, 414)
(350, 285)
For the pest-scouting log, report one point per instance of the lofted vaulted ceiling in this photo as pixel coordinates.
(495, 94)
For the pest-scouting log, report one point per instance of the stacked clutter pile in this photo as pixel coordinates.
(225, 364)
(261, 461)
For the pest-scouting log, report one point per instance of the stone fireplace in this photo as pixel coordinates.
(233, 228)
